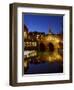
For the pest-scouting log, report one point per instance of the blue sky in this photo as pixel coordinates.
(42, 23)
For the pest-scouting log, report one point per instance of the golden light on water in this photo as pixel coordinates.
(54, 57)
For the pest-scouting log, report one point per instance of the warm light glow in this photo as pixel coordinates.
(54, 40)
(25, 63)
(25, 35)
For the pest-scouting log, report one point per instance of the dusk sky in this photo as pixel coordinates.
(42, 23)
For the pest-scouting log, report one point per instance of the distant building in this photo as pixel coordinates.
(35, 35)
(50, 31)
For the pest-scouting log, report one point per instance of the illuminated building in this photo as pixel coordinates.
(48, 47)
